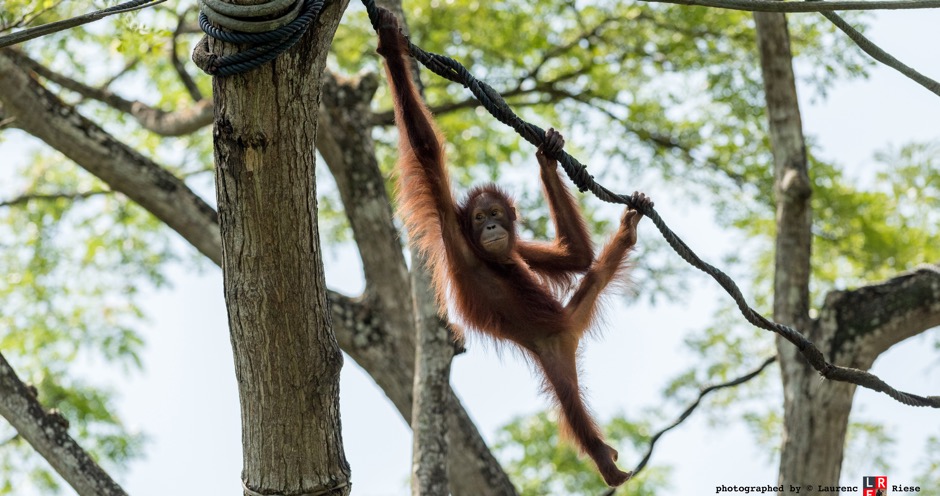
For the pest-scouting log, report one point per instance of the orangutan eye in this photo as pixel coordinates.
(480, 216)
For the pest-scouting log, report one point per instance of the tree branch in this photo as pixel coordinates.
(871, 319)
(127, 68)
(556, 51)
(363, 331)
(49, 436)
(826, 9)
(388, 354)
(344, 139)
(28, 18)
(23, 199)
(42, 114)
(176, 123)
(186, 79)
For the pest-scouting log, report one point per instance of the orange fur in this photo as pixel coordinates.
(508, 293)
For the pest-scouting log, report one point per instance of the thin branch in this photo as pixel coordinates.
(880, 55)
(23, 199)
(186, 79)
(53, 27)
(28, 18)
(127, 68)
(175, 123)
(102, 95)
(45, 116)
(658, 140)
(559, 50)
(806, 6)
(691, 408)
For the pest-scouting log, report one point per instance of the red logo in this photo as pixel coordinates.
(875, 485)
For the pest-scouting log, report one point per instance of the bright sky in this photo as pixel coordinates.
(186, 400)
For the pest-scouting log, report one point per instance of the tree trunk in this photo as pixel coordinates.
(816, 412)
(431, 388)
(287, 360)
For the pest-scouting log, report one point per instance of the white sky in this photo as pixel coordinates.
(186, 400)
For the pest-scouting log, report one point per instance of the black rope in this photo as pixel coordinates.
(494, 103)
(266, 45)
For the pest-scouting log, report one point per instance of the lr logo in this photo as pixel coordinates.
(875, 485)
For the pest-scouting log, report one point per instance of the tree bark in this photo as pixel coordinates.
(431, 388)
(47, 433)
(815, 412)
(287, 360)
(853, 327)
(378, 336)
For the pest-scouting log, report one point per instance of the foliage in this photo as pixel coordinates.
(868, 446)
(539, 463)
(866, 228)
(642, 91)
(679, 87)
(930, 465)
(73, 270)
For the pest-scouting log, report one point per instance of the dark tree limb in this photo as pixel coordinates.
(48, 434)
(175, 123)
(873, 318)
